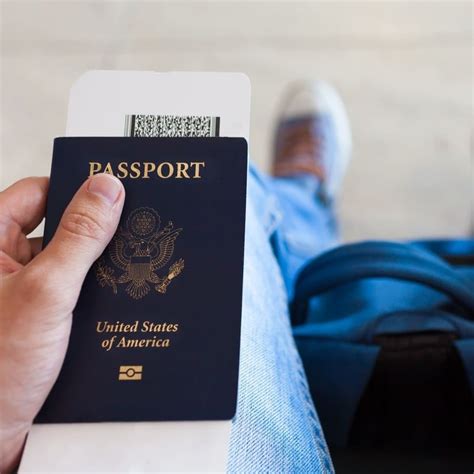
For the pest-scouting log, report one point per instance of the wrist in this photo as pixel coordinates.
(12, 442)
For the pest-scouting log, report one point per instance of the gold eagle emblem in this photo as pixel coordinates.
(139, 250)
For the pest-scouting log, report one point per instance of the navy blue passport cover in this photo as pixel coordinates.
(167, 291)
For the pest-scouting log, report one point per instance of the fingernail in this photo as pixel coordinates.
(106, 186)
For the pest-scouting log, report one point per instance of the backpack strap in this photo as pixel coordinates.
(457, 252)
(377, 259)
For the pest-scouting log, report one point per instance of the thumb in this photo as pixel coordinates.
(86, 227)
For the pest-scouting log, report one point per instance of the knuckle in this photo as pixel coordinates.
(82, 224)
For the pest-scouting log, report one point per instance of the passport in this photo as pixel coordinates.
(156, 330)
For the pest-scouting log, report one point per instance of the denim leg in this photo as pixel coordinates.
(276, 428)
(308, 225)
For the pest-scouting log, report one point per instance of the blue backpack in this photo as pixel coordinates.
(386, 334)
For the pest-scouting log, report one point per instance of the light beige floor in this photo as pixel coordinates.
(403, 68)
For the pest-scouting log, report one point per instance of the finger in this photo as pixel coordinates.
(86, 227)
(7, 264)
(23, 203)
(36, 245)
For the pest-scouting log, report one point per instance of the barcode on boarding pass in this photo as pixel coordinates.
(171, 126)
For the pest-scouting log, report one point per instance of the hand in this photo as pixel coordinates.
(39, 290)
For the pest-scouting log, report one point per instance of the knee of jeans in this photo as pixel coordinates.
(263, 201)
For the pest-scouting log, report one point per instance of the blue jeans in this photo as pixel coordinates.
(276, 428)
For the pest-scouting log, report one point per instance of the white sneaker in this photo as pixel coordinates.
(313, 136)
